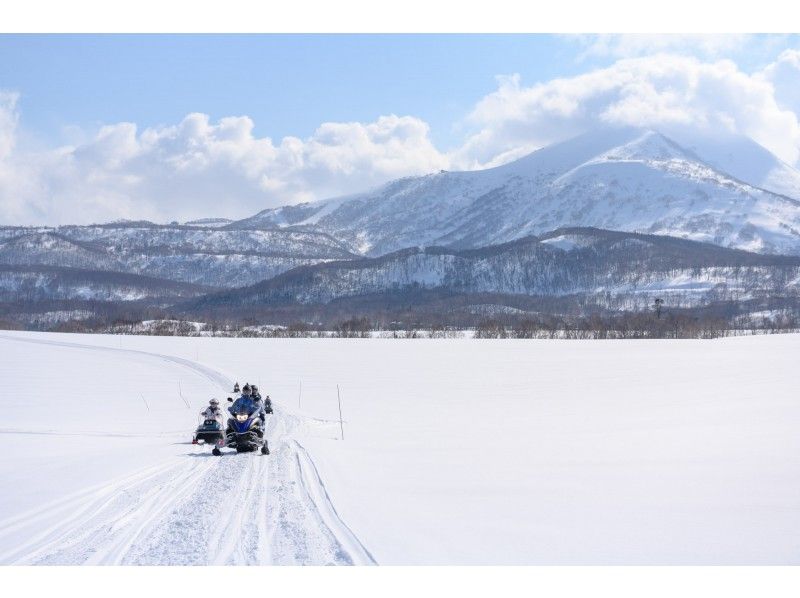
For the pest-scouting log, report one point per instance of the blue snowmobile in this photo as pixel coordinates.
(245, 429)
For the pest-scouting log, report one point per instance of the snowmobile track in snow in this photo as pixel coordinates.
(197, 508)
(318, 495)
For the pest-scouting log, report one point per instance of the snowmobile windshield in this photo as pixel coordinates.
(244, 405)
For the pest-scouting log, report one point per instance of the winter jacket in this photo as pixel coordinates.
(260, 408)
(265, 405)
(212, 413)
(260, 404)
(257, 405)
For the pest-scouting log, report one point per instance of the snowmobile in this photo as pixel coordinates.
(209, 432)
(245, 430)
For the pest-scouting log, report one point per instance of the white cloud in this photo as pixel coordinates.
(784, 75)
(662, 91)
(199, 168)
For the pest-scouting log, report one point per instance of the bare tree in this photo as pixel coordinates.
(659, 302)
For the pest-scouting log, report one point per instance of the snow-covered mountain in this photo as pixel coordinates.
(32, 284)
(209, 222)
(575, 261)
(744, 159)
(204, 256)
(725, 191)
(629, 179)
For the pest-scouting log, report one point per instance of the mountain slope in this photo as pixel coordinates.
(48, 283)
(620, 179)
(574, 261)
(49, 248)
(203, 256)
(744, 159)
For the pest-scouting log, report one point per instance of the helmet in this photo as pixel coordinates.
(246, 390)
(213, 402)
(254, 388)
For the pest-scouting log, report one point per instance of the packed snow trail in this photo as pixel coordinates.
(193, 509)
(607, 452)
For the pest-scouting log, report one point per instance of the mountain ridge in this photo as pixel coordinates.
(567, 261)
(636, 180)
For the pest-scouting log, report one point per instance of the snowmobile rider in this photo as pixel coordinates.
(266, 402)
(255, 396)
(247, 395)
(212, 411)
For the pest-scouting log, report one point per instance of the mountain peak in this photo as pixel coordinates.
(600, 144)
(646, 145)
(621, 178)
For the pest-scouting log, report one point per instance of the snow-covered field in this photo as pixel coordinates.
(455, 451)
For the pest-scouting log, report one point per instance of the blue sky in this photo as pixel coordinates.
(120, 109)
(287, 84)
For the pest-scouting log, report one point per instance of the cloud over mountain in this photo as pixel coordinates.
(201, 167)
(662, 91)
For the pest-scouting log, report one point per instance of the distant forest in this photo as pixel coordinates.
(430, 316)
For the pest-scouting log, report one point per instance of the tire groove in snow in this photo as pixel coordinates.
(198, 509)
(231, 542)
(306, 527)
(76, 502)
(160, 504)
(315, 489)
(116, 522)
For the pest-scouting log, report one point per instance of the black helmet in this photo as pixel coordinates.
(246, 389)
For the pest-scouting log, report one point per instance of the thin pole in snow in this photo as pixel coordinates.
(145, 402)
(300, 393)
(180, 392)
(339, 397)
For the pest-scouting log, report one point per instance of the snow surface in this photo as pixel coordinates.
(744, 159)
(455, 451)
(563, 242)
(626, 179)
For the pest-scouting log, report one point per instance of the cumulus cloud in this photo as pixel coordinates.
(198, 167)
(663, 91)
(784, 76)
(16, 189)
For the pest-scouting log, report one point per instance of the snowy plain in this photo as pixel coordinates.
(456, 451)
